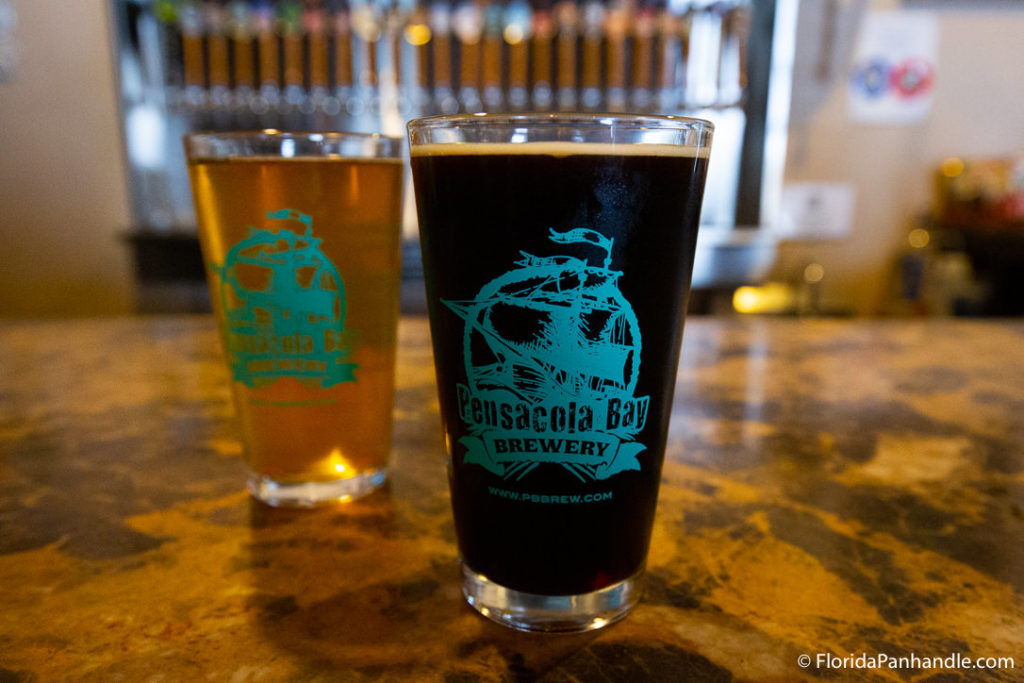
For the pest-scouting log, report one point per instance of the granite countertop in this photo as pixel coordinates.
(844, 487)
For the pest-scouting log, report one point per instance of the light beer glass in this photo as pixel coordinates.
(300, 235)
(558, 251)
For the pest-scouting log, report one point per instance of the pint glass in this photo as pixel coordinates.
(300, 235)
(558, 251)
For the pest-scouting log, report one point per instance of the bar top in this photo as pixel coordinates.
(838, 497)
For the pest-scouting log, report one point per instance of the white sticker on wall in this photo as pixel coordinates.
(820, 210)
(894, 68)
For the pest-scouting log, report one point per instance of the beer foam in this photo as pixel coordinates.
(298, 158)
(557, 149)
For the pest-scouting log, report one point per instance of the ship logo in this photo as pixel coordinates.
(552, 357)
(284, 307)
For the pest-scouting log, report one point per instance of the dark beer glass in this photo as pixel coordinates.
(558, 251)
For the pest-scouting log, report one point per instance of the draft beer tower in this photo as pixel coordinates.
(370, 65)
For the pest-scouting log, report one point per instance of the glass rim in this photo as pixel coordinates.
(307, 144)
(274, 133)
(597, 120)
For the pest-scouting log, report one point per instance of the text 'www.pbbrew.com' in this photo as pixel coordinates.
(544, 498)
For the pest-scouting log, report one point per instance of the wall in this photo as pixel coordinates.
(63, 198)
(978, 110)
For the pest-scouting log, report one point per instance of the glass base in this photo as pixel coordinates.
(309, 494)
(550, 613)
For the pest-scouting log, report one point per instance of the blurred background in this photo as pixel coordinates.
(868, 157)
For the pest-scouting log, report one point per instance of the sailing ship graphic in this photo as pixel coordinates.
(284, 307)
(553, 337)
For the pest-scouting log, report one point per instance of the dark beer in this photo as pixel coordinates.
(557, 276)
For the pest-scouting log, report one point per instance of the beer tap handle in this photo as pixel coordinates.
(732, 73)
(593, 34)
(368, 27)
(366, 33)
(191, 22)
(240, 30)
(617, 25)
(215, 28)
(667, 72)
(393, 88)
(643, 57)
(343, 71)
(685, 32)
(317, 25)
(441, 29)
(269, 65)
(218, 66)
(289, 16)
(467, 23)
(705, 54)
(492, 61)
(567, 17)
(543, 31)
(518, 21)
(238, 36)
(314, 26)
(418, 35)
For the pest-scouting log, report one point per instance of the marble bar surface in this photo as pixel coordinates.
(833, 490)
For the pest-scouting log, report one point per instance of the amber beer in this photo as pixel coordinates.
(303, 261)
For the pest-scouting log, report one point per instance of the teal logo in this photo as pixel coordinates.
(284, 307)
(552, 356)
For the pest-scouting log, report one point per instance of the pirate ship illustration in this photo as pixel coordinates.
(284, 307)
(552, 356)
(554, 326)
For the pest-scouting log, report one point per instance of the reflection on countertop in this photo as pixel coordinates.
(844, 487)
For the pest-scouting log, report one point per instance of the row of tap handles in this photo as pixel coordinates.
(348, 58)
